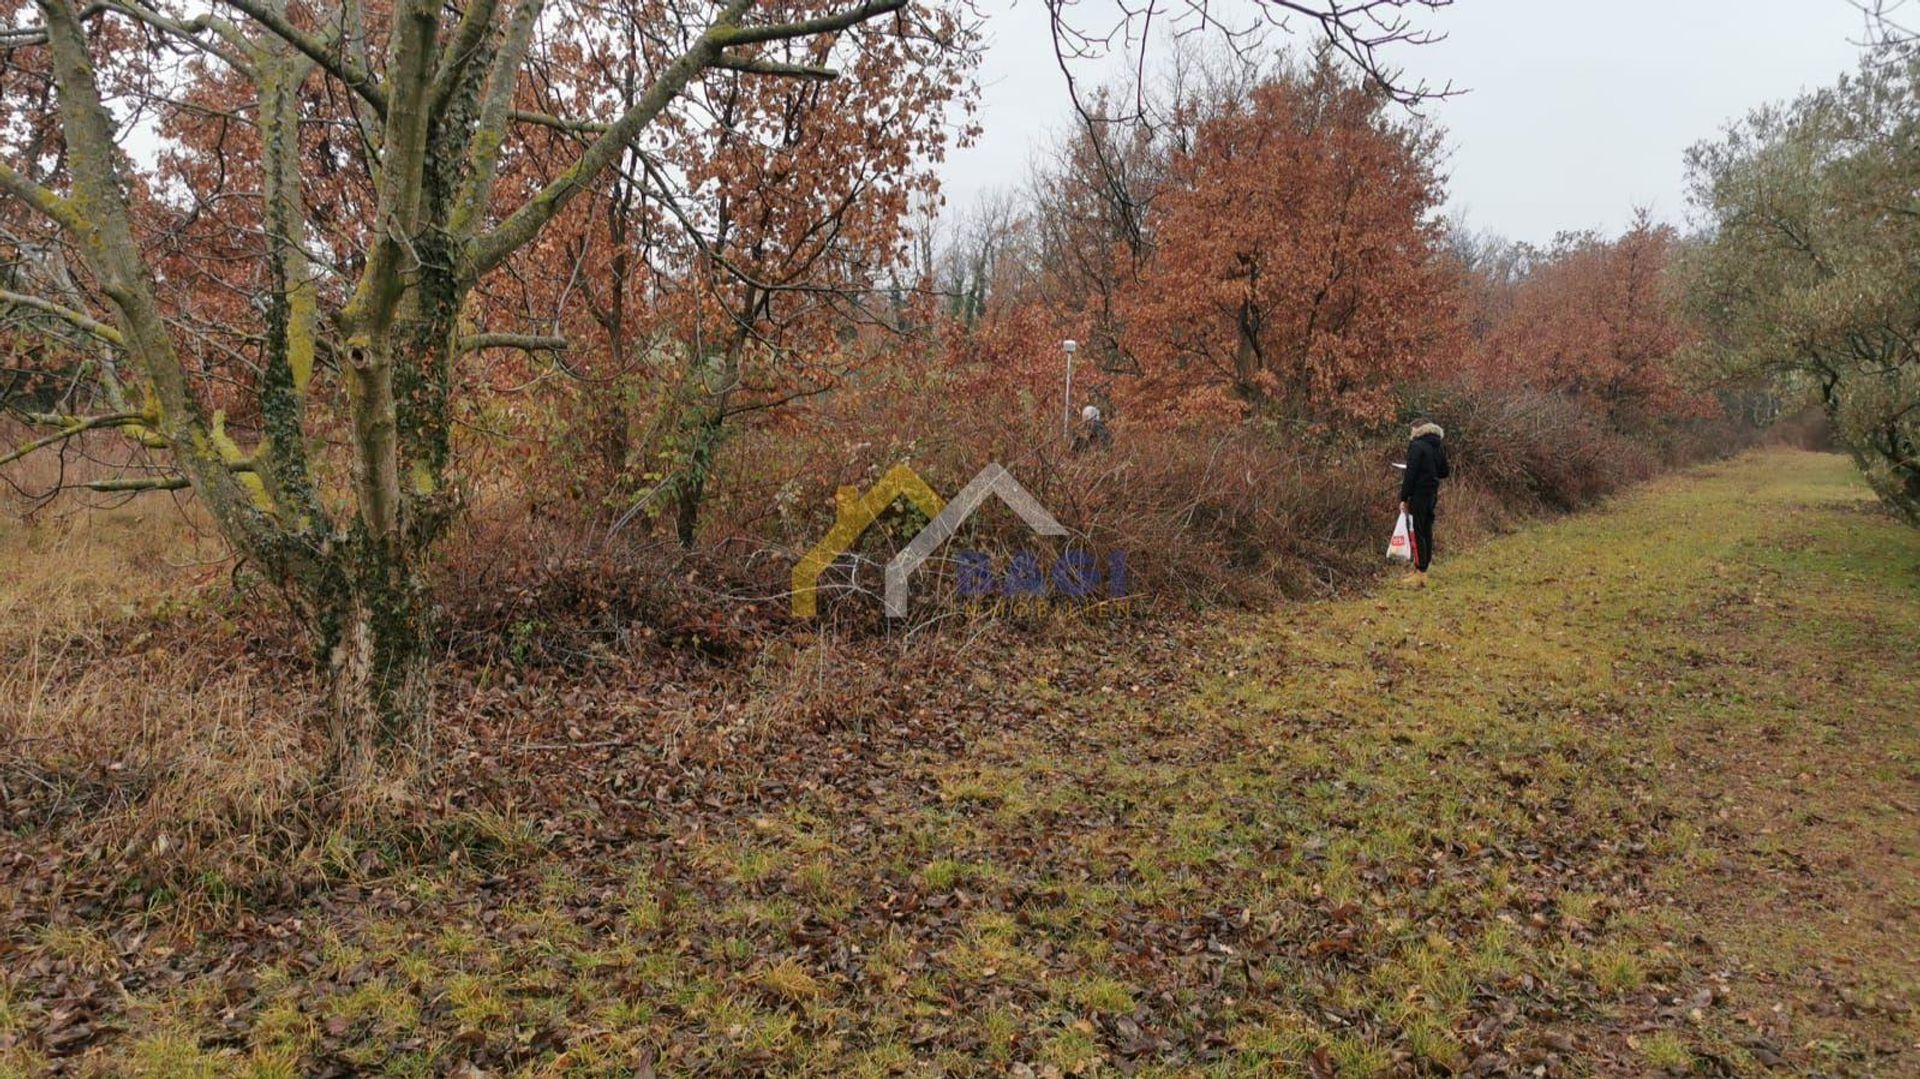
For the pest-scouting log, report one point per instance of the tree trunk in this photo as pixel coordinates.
(1247, 361)
(704, 449)
(379, 678)
(706, 445)
(612, 444)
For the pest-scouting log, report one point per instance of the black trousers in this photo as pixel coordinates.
(1421, 507)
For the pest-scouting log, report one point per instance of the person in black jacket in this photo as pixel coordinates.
(1420, 489)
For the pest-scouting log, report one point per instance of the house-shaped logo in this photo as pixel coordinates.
(854, 511)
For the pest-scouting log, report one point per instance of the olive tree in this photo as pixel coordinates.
(1811, 270)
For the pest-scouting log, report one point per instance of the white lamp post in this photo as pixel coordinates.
(1066, 415)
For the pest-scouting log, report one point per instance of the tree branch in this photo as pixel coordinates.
(483, 154)
(541, 119)
(403, 149)
(489, 251)
(189, 31)
(357, 79)
(175, 482)
(104, 235)
(48, 203)
(74, 318)
(755, 66)
(520, 227)
(460, 50)
(824, 24)
(524, 341)
(74, 425)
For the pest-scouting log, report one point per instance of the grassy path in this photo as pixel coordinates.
(1687, 729)
(1635, 792)
(1628, 793)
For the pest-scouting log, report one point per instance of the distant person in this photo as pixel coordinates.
(1093, 431)
(1420, 490)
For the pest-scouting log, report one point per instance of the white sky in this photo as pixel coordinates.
(1577, 110)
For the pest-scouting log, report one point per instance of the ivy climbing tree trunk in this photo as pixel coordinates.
(704, 439)
(375, 638)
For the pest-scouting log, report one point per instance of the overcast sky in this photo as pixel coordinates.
(1576, 111)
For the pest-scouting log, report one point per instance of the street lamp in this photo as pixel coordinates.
(1066, 414)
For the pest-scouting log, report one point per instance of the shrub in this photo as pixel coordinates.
(1239, 514)
(1532, 449)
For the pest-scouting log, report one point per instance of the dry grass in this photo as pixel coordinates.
(130, 702)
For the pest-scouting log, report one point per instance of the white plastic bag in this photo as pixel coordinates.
(1400, 547)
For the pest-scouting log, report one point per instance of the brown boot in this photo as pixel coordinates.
(1416, 579)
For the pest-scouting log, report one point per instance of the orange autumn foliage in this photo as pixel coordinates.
(1294, 262)
(1595, 319)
